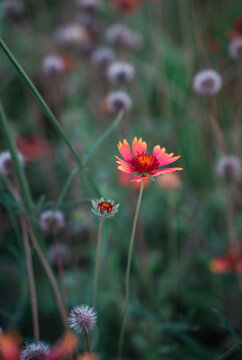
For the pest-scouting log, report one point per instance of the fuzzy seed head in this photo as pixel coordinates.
(82, 318)
(118, 101)
(34, 352)
(6, 163)
(121, 35)
(235, 48)
(12, 9)
(207, 82)
(57, 251)
(120, 72)
(229, 168)
(89, 5)
(51, 221)
(53, 64)
(102, 56)
(71, 35)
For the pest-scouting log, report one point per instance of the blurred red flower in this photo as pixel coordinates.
(232, 261)
(10, 345)
(33, 147)
(126, 6)
(236, 31)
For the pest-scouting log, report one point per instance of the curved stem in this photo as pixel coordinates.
(51, 277)
(31, 279)
(61, 273)
(97, 263)
(127, 277)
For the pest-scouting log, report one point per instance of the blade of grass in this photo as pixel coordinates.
(47, 112)
(108, 131)
(228, 326)
(230, 351)
(40, 100)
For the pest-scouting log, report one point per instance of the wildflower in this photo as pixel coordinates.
(235, 48)
(207, 82)
(229, 168)
(82, 318)
(118, 101)
(59, 250)
(34, 352)
(143, 164)
(33, 147)
(126, 6)
(6, 163)
(89, 5)
(51, 221)
(70, 35)
(120, 72)
(53, 64)
(102, 56)
(232, 261)
(9, 345)
(169, 181)
(121, 35)
(104, 208)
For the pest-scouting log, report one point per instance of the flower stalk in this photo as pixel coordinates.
(127, 277)
(97, 262)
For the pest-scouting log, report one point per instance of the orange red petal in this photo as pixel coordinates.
(139, 147)
(125, 151)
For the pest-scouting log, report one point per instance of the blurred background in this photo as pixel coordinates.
(186, 278)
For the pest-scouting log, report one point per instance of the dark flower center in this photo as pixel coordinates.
(105, 206)
(145, 163)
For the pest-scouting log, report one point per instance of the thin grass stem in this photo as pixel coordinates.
(97, 263)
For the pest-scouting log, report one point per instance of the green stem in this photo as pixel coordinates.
(25, 191)
(127, 278)
(97, 263)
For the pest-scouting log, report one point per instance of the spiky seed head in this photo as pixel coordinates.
(104, 208)
(6, 163)
(71, 35)
(118, 101)
(229, 168)
(235, 48)
(53, 64)
(207, 82)
(34, 351)
(51, 221)
(102, 56)
(82, 318)
(120, 72)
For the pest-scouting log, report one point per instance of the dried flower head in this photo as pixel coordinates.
(51, 221)
(105, 208)
(82, 318)
(229, 168)
(207, 82)
(89, 5)
(120, 72)
(34, 351)
(6, 163)
(121, 35)
(118, 101)
(71, 35)
(59, 250)
(235, 48)
(53, 64)
(102, 56)
(12, 9)
(144, 165)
